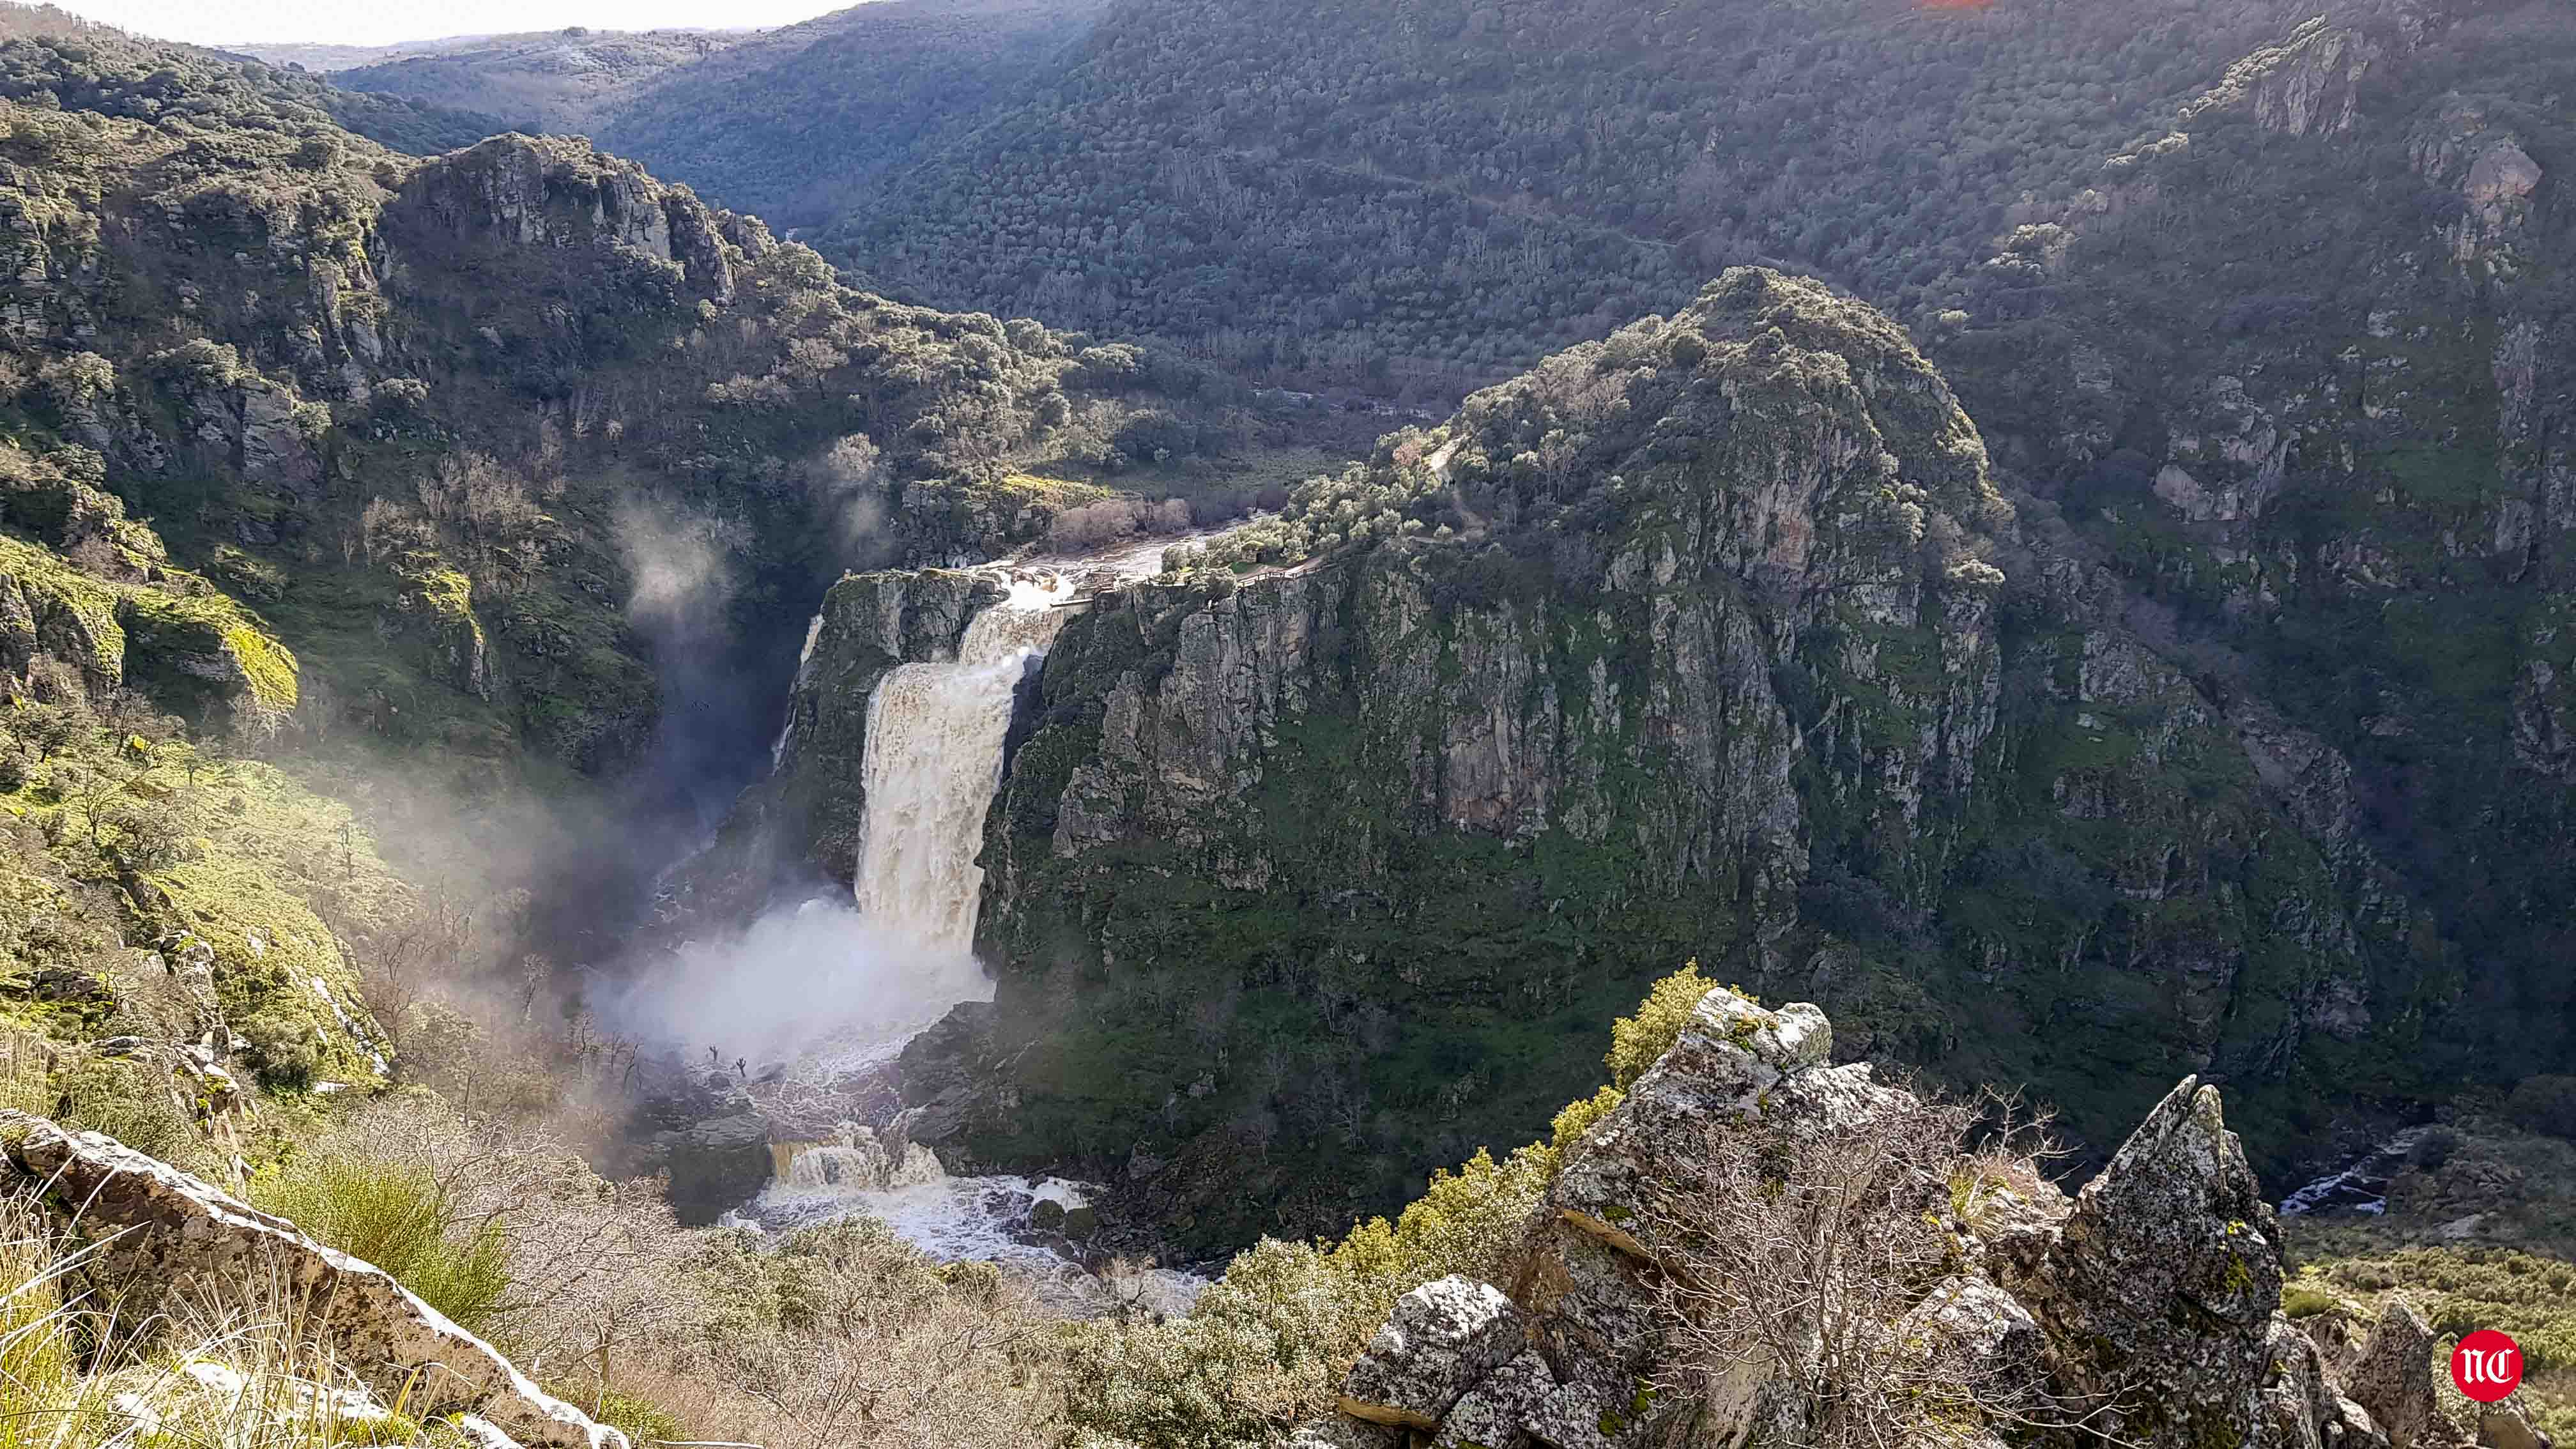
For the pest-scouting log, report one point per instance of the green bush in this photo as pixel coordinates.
(2545, 1104)
(131, 1102)
(1578, 1117)
(1636, 1041)
(403, 1220)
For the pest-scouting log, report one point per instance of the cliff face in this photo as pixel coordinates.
(2296, 372)
(1727, 648)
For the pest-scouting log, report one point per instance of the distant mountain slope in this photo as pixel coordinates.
(2303, 369)
(802, 124)
(1448, 190)
(563, 81)
(805, 124)
(85, 66)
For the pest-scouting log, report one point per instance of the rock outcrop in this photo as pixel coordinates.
(1446, 1337)
(162, 1235)
(2147, 1308)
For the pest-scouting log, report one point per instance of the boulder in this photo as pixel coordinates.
(944, 1071)
(1730, 1065)
(2392, 1377)
(1443, 1339)
(164, 1236)
(2506, 1426)
(2160, 1285)
(1973, 1332)
(716, 1166)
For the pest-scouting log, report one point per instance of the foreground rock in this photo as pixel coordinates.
(2144, 1311)
(165, 1237)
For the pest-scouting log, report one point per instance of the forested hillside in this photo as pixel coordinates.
(803, 124)
(88, 67)
(561, 81)
(1425, 195)
(1442, 190)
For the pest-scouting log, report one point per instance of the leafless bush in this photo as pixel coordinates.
(1112, 519)
(1795, 1259)
(597, 1269)
(873, 1345)
(489, 507)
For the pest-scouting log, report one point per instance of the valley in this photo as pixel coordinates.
(960, 724)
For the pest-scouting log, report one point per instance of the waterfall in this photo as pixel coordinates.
(804, 662)
(932, 764)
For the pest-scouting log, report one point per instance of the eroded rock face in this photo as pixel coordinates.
(164, 1235)
(2146, 1308)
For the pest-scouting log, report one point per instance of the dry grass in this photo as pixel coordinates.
(247, 1372)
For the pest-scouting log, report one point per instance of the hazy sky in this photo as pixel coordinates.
(342, 22)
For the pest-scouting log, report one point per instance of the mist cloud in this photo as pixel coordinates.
(811, 979)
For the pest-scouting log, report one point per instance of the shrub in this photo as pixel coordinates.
(130, 1101)
(1578, 1117)
(401, 1218)
(2545, 1104)
(2433, 1149)
(1636, 1041)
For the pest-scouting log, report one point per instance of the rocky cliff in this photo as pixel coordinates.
(1957, 1299)
(2294, 371)
(1713, 640)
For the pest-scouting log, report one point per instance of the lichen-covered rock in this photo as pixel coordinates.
(2392, 1377)
(1971, 1332)
(1735, 1062)
(2160, 1288)
(1591, 1306)
(2148, 1309)
(163, 1235)
(1496, 1413)
(1443, 1339)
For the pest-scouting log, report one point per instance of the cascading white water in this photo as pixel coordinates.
(932, 763)
(804, 661)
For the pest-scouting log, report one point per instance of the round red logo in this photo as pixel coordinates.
(2487, 1366)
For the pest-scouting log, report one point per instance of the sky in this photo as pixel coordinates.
(342, 22)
